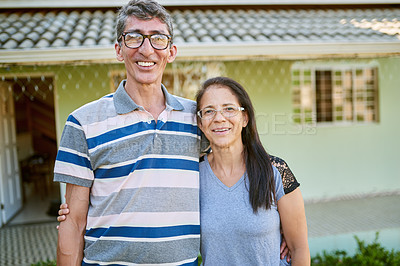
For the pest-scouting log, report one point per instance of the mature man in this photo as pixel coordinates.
(131, 159)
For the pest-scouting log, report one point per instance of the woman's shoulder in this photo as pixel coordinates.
(203, 163)
(279, 163)
(289, 181)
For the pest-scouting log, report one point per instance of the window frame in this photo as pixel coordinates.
(303, 85)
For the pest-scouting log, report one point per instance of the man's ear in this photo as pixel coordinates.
(118, 52)
(172, 53)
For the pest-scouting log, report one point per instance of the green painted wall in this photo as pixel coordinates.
(329, 161)
(78, 85)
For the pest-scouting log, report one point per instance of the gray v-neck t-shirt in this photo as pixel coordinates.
(231, 233)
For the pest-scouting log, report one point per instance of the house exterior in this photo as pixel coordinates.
(323, 80)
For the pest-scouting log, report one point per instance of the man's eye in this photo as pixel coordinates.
(157, 38)
(133, 37)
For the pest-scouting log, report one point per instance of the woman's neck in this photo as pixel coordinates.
(227, 164)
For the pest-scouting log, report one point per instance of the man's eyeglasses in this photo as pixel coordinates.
(227, 111)
(135, 40)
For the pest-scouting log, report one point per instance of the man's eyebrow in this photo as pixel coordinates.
(151, 32)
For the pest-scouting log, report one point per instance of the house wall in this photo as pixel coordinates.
(78, 85)
(328, 161)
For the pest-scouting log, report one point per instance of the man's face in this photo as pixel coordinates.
(145, 65)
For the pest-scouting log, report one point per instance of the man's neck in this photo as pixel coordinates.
(149, 96)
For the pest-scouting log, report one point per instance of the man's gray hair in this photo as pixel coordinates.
(144, 10)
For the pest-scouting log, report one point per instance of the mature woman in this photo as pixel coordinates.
(242, 202)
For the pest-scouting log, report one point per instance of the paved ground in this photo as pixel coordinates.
(27, 244)
(354, 215)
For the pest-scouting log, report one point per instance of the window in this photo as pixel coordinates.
(335, 94)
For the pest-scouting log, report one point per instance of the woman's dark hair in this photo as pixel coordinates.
(258, 164)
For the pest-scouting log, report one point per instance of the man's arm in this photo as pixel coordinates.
(71, 232)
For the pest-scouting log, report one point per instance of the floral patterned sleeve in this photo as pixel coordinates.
(288, 179)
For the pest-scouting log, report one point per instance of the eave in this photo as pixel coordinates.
(219, 51)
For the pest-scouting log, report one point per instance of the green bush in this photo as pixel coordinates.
(372, 254)
(367, 255)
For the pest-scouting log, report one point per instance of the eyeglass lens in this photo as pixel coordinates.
(135, 40)
(228, 111)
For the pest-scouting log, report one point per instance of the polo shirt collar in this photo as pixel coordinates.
(124, 104)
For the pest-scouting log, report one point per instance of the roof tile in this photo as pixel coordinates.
(10, 44)
(104, 41)
(34, 36)
(74, 42)
(4, 37)
(92, 35)
(48, 35)
(89, 42)
(27, 43)
(18, 36)
(41, 29)
(43, 43)
(58, 43)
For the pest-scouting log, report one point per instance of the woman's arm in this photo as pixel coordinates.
(294, 226)
(290, 183)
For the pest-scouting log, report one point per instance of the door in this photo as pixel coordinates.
(10, 181)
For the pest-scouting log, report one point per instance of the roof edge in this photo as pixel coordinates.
(287, 50)
(220, 51)
(166, 3)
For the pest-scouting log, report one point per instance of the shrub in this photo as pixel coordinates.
(367, 255)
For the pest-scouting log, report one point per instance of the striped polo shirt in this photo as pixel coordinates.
(144, 179)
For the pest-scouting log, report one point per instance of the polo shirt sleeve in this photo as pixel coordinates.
(73, 161)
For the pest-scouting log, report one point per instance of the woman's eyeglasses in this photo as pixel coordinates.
(227, 111)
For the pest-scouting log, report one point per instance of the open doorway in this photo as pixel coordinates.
(36, 146)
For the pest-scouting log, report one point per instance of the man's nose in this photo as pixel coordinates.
(146, 47)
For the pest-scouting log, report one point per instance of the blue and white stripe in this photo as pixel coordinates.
(144, 179)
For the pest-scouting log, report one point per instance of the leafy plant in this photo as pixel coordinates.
(372, 254)
(367, 255)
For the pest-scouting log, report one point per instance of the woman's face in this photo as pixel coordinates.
(222, 131)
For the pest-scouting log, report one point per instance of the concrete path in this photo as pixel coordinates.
(333, 225)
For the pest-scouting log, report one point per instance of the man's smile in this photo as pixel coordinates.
(145, 64)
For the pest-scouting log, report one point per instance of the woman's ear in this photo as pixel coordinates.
(245, 119)
(199, 124)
